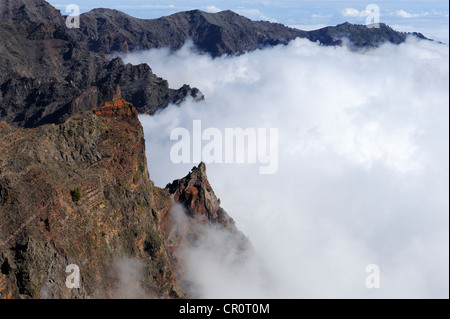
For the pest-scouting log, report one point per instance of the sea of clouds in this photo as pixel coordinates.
(363, 172)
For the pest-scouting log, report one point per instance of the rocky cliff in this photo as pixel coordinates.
(193, 212)
(79, 193)
(74, 183)
(200, 204)
(225, 32)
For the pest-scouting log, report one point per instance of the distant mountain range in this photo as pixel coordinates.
(225, 32)
(49, 72)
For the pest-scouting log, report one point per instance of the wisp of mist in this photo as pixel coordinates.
(363, 168)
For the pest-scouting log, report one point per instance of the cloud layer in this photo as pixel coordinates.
(363, 166)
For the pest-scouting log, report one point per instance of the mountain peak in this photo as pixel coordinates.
(195, 193)
(224, 32)
(29, 10)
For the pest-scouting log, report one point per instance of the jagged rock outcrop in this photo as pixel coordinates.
(195, 193)
(225, 32)
(191, 216)
(46, 75)
(200, 208)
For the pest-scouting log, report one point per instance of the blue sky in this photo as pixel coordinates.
(428, 17)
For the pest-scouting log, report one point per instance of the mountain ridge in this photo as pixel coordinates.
(226, 32)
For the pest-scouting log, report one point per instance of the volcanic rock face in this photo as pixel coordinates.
(225, 32)
(46, 75)
(44, 227)
(77, 191)
(196, 194)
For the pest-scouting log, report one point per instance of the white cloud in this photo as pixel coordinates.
(130, 273)
(321, 16)
(57, 5)
(212, 9)
(403, 14)
(351, 12)
(254, 14)
(308, 27)
(224, 262)
(363, 167)
(407, 15)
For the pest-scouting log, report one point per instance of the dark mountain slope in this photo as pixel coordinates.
(105, 30)
(46, 75)
(225, 32)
